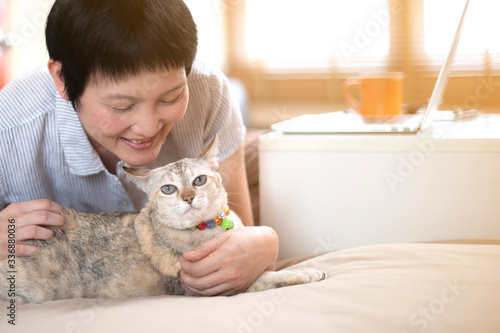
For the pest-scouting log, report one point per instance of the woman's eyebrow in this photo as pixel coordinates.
(179, 86)
(122, 96)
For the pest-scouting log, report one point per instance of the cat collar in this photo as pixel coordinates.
(221, 220)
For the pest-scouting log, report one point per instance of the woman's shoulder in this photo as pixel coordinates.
(207, 85)
(29, 96)
(203, 71)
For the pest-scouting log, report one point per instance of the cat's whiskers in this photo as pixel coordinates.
(234, 204)
(184, 208)
(233, 194)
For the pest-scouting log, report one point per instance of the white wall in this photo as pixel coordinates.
(29, 24)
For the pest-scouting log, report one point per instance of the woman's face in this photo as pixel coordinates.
(130, 118)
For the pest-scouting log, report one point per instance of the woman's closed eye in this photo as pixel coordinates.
(173, 100)
(122, 106)
(122, 109)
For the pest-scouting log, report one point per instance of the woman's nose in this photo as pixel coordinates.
(147, 123)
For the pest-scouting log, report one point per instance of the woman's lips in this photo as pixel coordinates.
(138, 141)
(139, 144)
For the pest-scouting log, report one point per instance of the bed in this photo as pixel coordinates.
(381, 288)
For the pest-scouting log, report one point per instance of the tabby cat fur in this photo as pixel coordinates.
(115, 255)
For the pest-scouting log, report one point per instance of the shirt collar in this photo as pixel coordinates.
(80, 156)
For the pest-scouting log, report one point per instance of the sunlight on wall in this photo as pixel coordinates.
(29, 28)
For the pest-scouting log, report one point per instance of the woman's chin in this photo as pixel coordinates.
(140, 159)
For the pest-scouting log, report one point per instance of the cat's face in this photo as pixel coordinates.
(186, 192)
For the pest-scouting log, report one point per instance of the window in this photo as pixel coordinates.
(297, 34)
(480, 30)
(480, 41)
(313, 45)
(316, 33)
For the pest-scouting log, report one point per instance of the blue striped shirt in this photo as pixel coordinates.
(45, 153)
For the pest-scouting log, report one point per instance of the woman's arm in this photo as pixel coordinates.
(234, 179)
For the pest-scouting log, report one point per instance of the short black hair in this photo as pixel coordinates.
(118, 38)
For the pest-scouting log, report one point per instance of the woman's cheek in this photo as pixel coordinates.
(111, 126)
(178, 111)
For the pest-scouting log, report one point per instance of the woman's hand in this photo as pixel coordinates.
(29, 217)
(229, 263)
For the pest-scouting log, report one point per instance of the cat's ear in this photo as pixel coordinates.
(141, 177)
(137, 172)
(210, 153)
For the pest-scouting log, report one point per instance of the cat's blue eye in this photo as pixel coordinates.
(201, 180)
(168, 189)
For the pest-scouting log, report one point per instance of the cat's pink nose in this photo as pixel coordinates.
(189, 198)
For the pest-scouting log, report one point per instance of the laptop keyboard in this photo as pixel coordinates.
(390, 120)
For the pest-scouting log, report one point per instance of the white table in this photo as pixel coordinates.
(327, 192)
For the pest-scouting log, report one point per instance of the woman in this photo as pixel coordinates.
(122, 86)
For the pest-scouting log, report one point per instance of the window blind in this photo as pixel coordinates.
(300, 35)
(367, 35)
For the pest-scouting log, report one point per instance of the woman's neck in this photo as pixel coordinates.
(109, 160)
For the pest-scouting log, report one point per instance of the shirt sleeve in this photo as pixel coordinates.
(224, 117)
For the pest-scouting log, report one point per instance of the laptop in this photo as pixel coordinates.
(341, 122)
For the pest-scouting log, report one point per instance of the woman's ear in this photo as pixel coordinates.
(55, 69)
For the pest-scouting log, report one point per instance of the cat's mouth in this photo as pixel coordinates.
(192, 210)
(196, 213)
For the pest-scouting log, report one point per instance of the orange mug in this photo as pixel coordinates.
(381, 93)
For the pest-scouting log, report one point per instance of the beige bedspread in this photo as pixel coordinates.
(385, 288)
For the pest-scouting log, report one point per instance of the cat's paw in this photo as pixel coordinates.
(304, 275)
(287, 277)
(307, 275)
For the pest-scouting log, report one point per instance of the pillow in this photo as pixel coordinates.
(383, 288)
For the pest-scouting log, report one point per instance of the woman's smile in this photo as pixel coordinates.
(129, 119)
(139, 143)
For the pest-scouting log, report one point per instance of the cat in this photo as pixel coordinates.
(117, 255)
